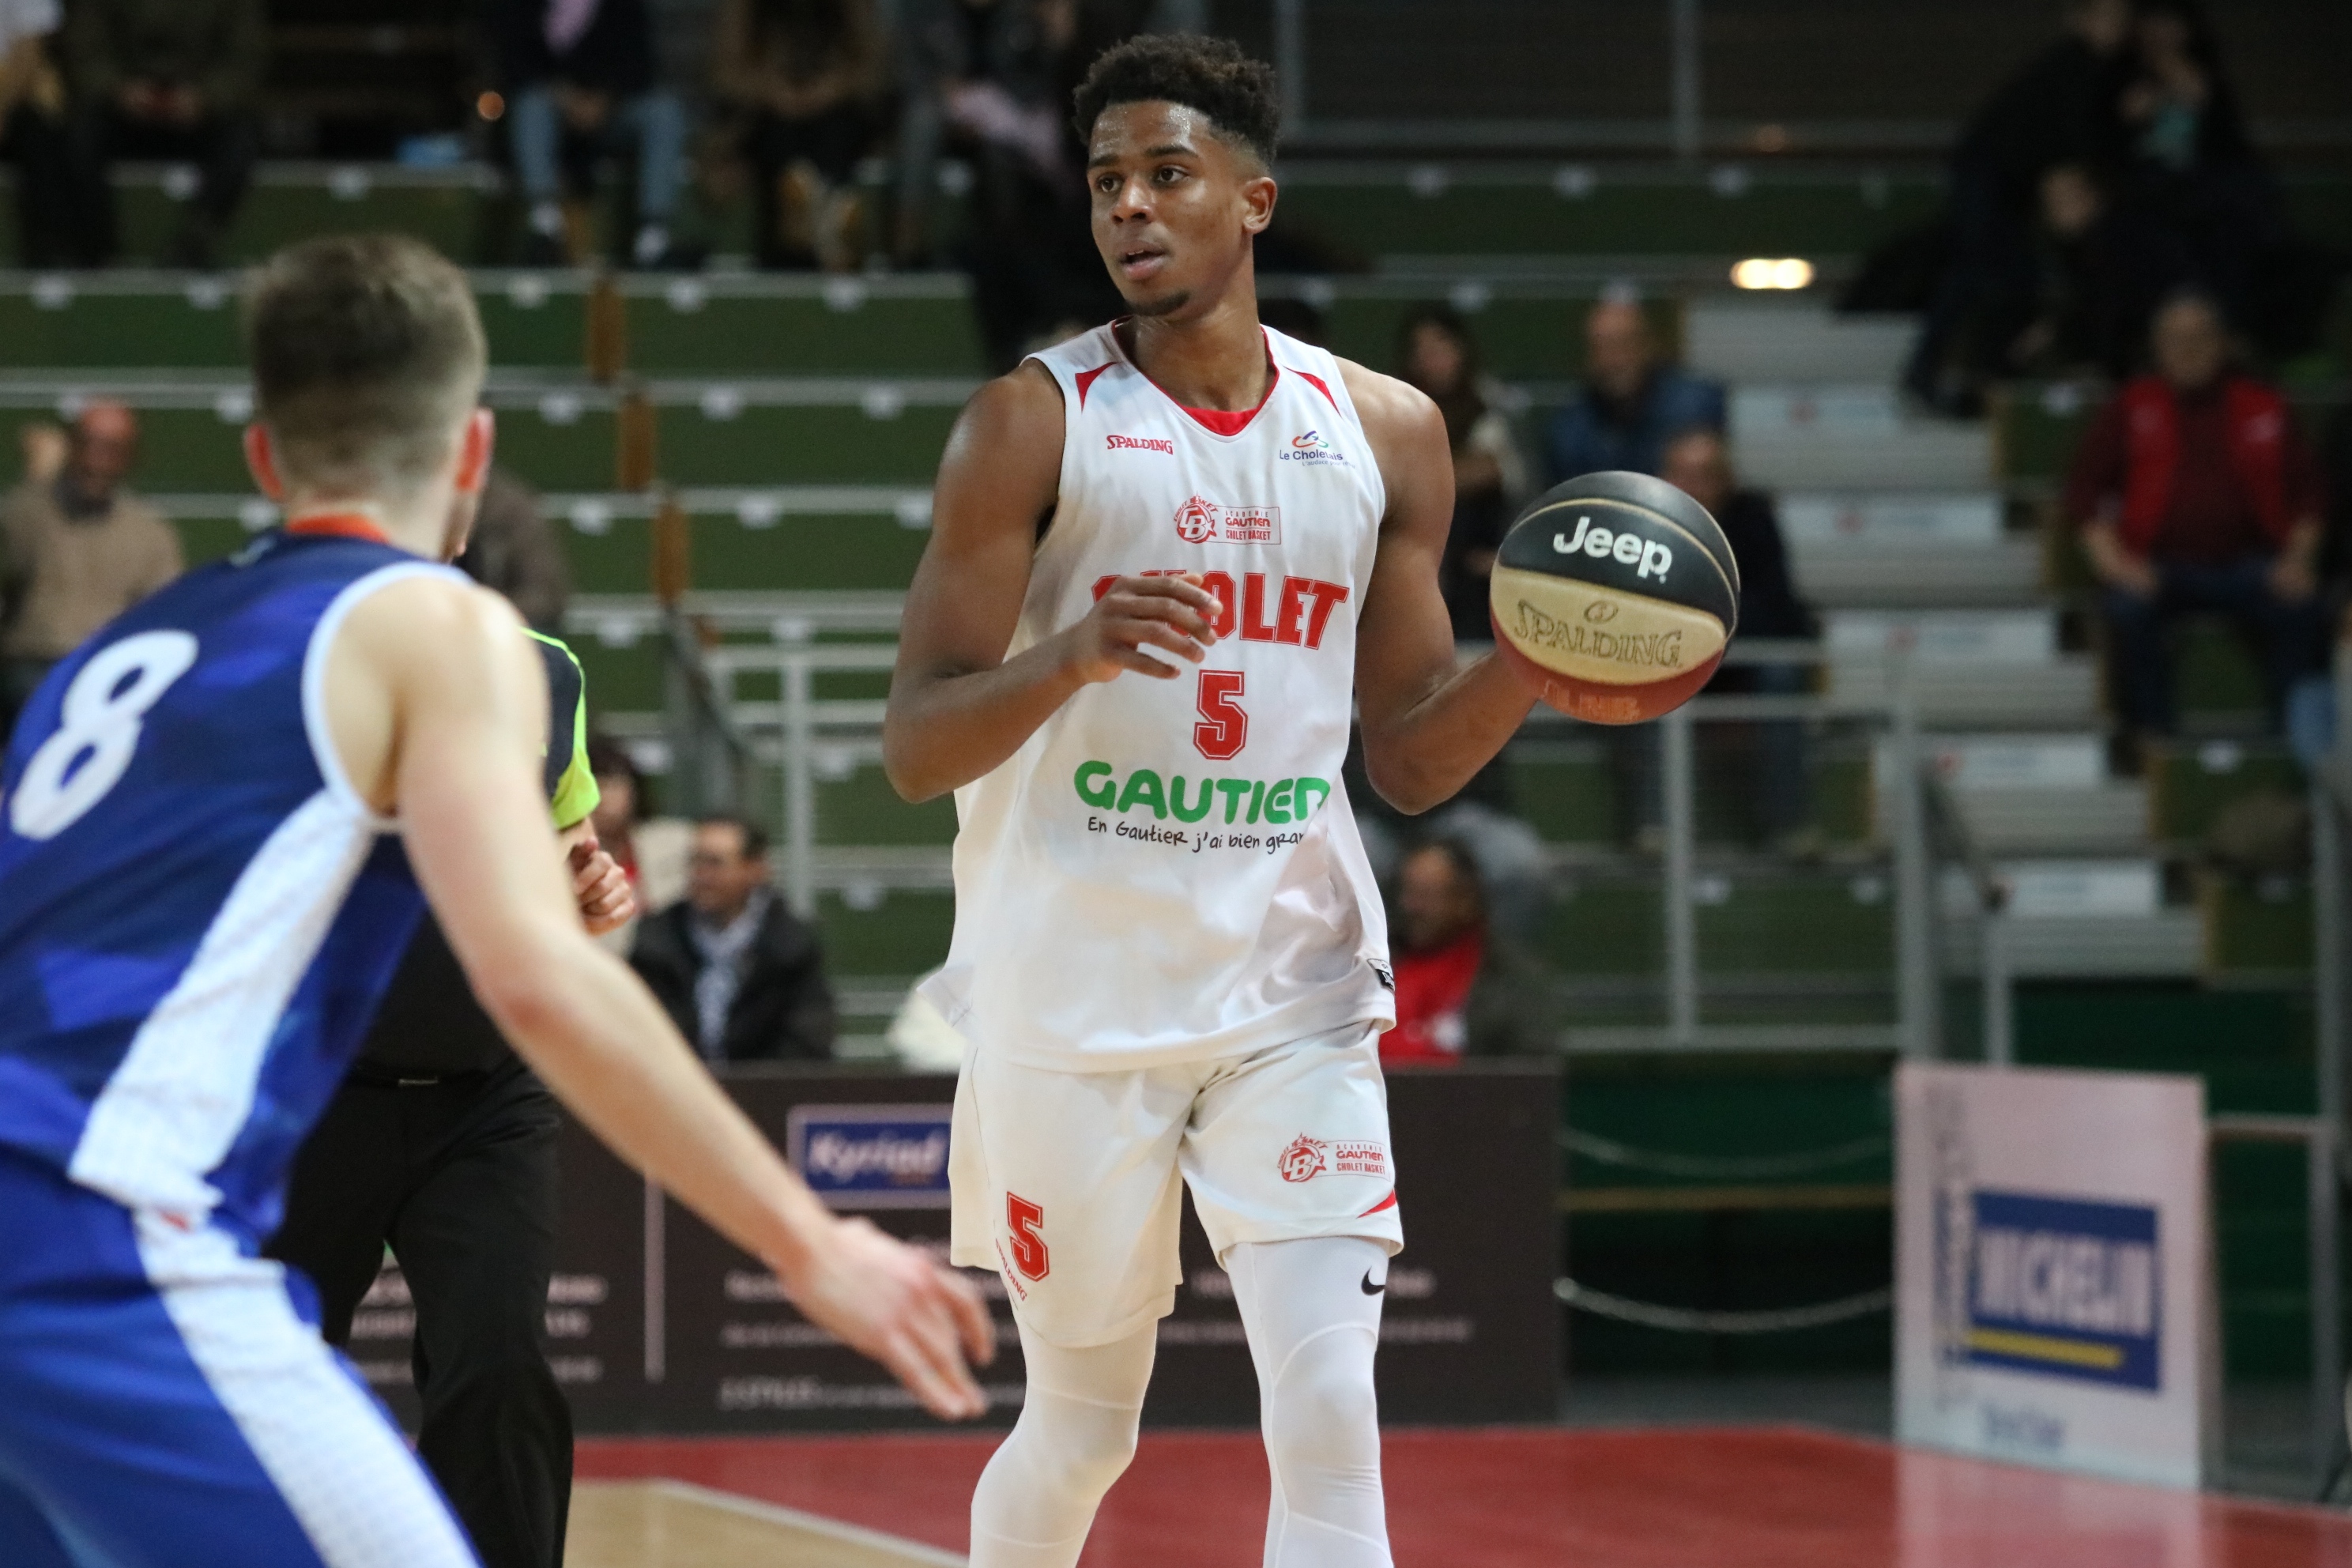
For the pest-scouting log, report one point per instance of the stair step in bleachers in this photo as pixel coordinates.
(1988, 762)
(1929, 638)
(1837, 576)
(1915, 454)
(1754, 343)
(2104, 818)
(2168, 945)
(2081, 888)
(2060, 695)
(1892, 520)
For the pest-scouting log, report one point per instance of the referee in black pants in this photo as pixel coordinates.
(442, 1144)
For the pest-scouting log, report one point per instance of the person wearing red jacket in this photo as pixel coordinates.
(2195, 492)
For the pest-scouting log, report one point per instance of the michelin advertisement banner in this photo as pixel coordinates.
(2052, 1263)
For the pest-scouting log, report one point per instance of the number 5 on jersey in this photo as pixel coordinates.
(1223, 728)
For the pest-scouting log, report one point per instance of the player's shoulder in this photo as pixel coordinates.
(435, 622)
(1390, 410)
(1012, 426)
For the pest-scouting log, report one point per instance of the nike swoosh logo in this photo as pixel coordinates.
(1371, 1289)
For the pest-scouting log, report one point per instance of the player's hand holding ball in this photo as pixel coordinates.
(888, 1302)
(1135, 612)
(1614, 594)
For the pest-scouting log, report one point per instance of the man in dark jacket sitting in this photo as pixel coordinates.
(742, 977)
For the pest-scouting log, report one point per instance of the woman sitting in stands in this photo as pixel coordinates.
(804, 75)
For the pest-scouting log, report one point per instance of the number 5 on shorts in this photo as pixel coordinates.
(1022, 1218)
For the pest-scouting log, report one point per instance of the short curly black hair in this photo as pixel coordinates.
(1238, 94)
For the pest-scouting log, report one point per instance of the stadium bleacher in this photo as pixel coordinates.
(795, 423)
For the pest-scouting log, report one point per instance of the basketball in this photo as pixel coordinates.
(1614, 594)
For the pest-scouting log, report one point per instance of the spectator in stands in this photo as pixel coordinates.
(2194, 493)
(1698, 465)
(652, 851)
(163, 78)
(739, 973)
(2094, 278)
(2192, 165)
(43, 447)
(804, 75)
(580, 81)
(2059, 109)
(1438, 355)
(516, 551)
(74, 553)
(33, 131)
(994, 79)
(1630, 401)
(1462, 988)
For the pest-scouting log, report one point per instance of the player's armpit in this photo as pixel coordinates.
(997, 481)
(1428, 723)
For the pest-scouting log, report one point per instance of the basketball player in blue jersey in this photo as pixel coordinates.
(217, 818)
(1167, 557)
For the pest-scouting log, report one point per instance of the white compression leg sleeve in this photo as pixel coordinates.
(1037, 1500)
(1312, 1309)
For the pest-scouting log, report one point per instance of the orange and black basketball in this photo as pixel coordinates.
(1615, 593)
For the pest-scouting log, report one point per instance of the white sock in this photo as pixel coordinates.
(1037, 1500)
(653, 239)
(1313, 1327)
(547, 218)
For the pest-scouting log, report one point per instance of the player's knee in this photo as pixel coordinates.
(1083, 1446)
(1324, 1412)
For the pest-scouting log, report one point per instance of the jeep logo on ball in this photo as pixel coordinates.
(1647, 556)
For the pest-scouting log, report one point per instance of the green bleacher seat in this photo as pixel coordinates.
(862, 808)
(899, 931)
(804, 325)
(294, 201)
(154, 320)
(2191, 784)
(1732, 210)
(708, 440)
(2255, 930)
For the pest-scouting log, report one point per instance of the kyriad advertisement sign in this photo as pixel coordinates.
(2053, 1261)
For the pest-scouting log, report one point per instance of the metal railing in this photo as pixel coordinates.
(1916, 1031)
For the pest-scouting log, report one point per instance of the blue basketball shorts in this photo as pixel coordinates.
(162, 1404)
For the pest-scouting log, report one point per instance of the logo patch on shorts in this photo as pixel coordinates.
(1305, 1158)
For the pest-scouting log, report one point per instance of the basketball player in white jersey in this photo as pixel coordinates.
(1167, 558)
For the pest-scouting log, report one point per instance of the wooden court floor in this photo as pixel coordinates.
(1691, 1498)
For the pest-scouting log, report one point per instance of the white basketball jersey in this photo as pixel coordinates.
(1168, 869)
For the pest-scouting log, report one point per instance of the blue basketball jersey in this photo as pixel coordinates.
(197, 913)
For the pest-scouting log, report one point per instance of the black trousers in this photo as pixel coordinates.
(222, 146)
(459, 1177)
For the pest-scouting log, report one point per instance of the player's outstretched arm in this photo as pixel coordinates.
(434, 699)
(1429, 723)
(957, 706)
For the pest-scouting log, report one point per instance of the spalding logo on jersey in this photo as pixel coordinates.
(1198, 521)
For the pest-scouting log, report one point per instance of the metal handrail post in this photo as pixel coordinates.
(800, 789)
(1999, 1004)
(2326, 1304)
(1682, 917)
(1917, 1001)
(1685, 108)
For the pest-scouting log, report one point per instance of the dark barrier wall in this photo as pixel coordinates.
(656, 1324)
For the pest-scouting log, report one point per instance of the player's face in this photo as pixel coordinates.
(1175, 206)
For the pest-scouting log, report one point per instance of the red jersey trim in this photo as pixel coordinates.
(1216, 421)
(1086, 379)
(1311, 379)
(339, 525)
(1387, 1203)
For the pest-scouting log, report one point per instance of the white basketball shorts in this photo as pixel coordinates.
(1066, 1183)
